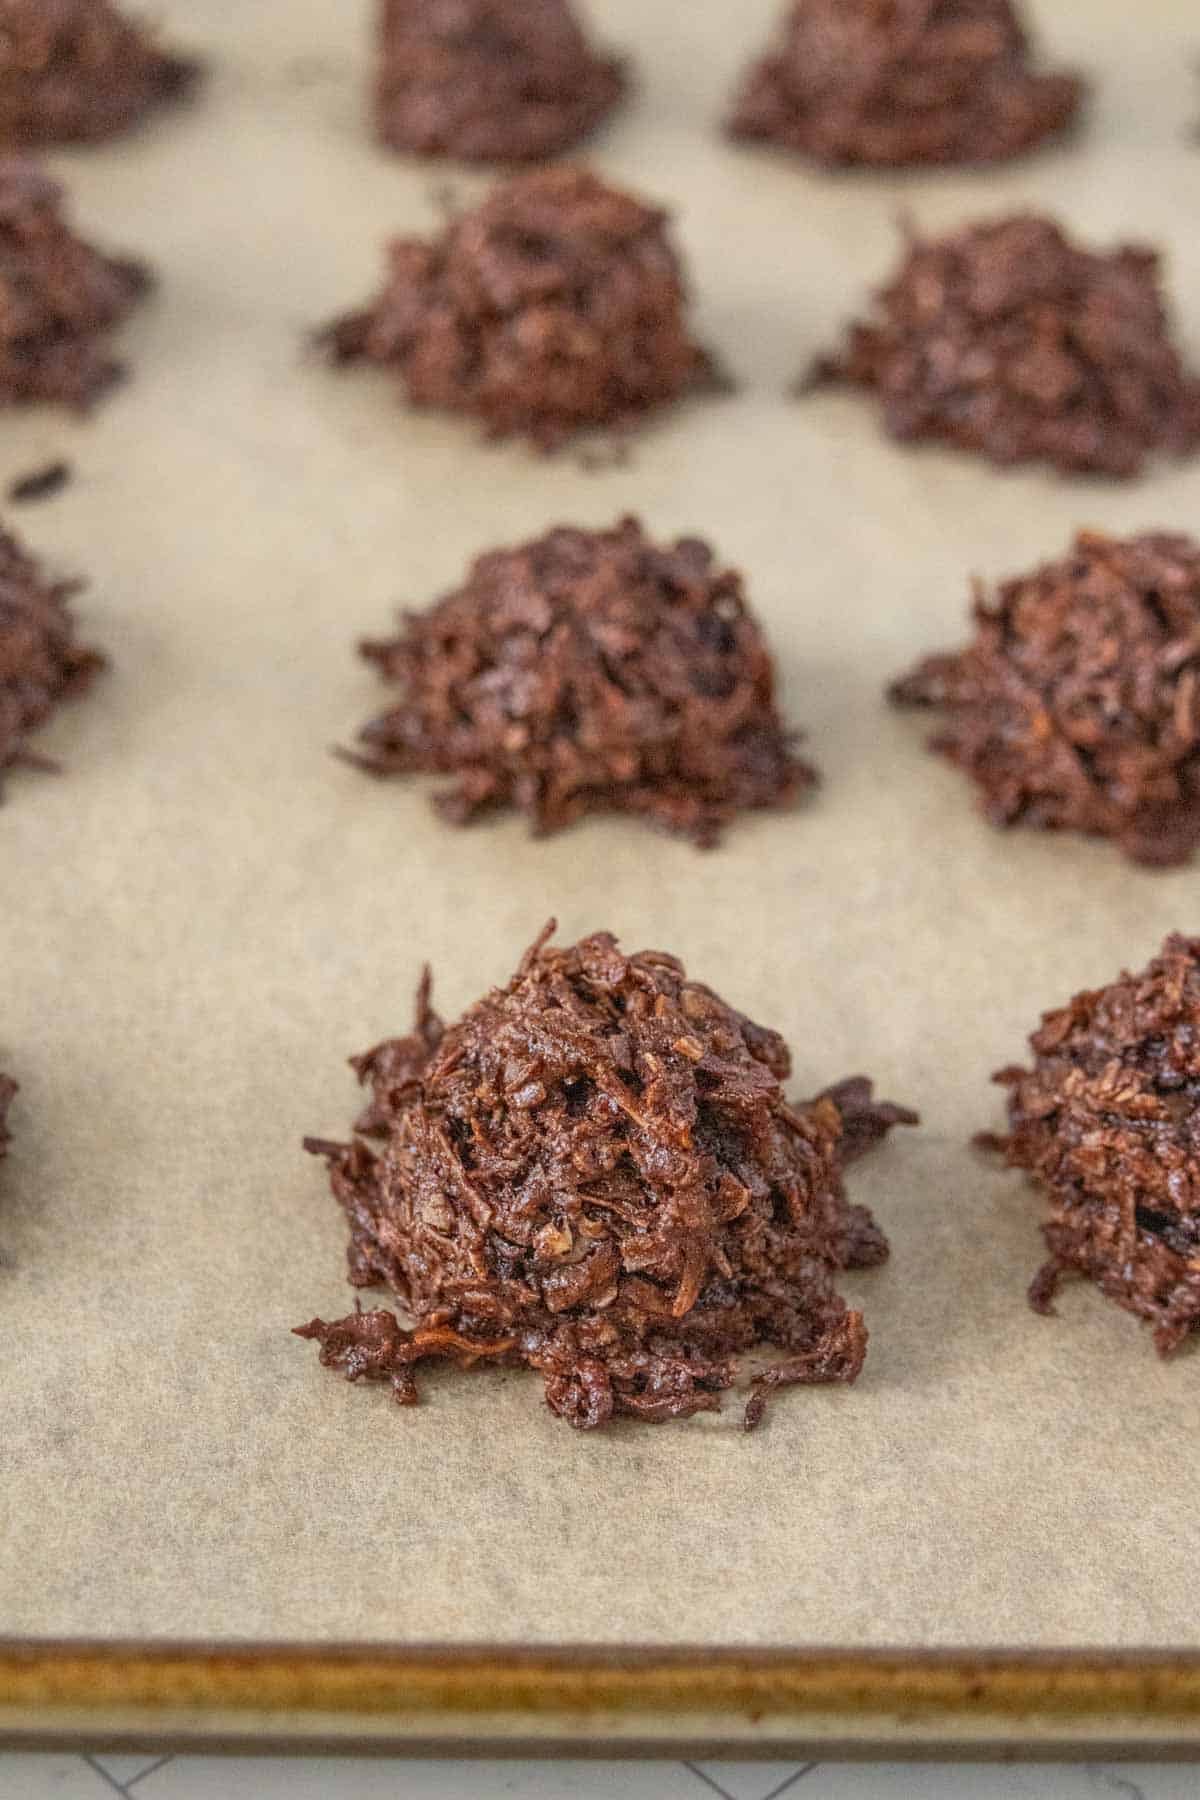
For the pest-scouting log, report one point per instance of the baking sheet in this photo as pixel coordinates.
(207, 913)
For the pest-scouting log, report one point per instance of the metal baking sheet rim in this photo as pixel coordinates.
(370, 1699)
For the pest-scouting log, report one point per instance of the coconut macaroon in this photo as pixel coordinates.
(489, 80)
(76, 70)
(556, 306)
(596, 1173)
(59, 298)
(1107, 1124)
(589, 671)
(1076, 705)
(41, 661)
(893, 83)
(1010, 340)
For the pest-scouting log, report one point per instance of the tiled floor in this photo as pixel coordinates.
(333, 1778)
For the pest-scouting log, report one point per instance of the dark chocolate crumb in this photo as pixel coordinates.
(40, 484)
(61, 298)
(40, 661)
(1107, 1124)
(1008, 339)
(595, 1174)
(903, 83)
(1043, 1289)
(554, 307)
(77, 70)
(1076, 706)
(489, 80)
(589, 671)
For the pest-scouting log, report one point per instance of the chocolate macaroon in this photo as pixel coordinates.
(59, 298)
(76, 70)
(1107, 1124)
(589, 671)
(41, 662)
(892, 83)
(555, 306)
(489, 80)
(1008, 339)
(596, 1174)
(1076, 706)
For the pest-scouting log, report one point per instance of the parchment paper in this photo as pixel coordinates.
(206, 914)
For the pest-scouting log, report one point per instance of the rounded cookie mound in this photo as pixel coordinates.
(489, 80)
(59, 298)
(74, 70)
(1008, 339)
(595, 1173)
(1107, 1122)
(41, 663)
(1077, 704)
(590, 671)
(900, 82)
(556, 305)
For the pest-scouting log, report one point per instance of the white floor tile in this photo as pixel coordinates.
(37, 1777)
(125, 1769)
(751, 1781)
(982, 1781)
(336, 1778)
(1144, 1781)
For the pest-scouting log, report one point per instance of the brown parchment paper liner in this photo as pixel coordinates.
(205, 914)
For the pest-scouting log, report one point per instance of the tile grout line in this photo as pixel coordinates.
(123, 1788)
(104, 1775)
(707, 1780)
(154, 1767)
(1119, 1784)
(791, 1782)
